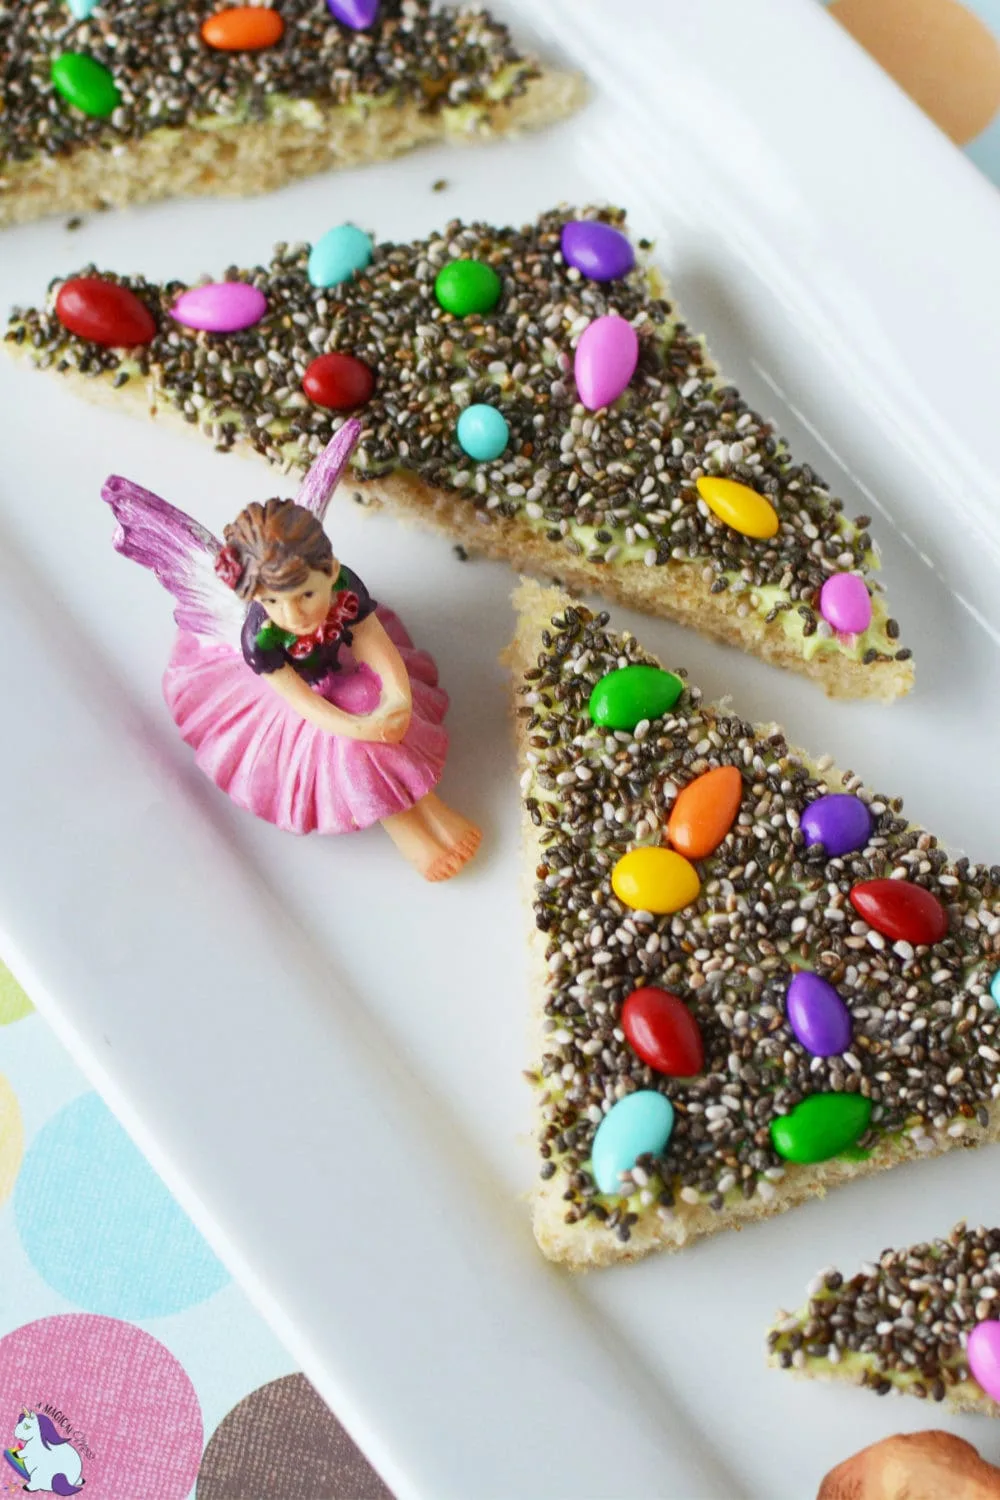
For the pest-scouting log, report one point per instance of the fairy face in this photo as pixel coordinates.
(302, 609)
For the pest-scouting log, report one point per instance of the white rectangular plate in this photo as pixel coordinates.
(324, 1057)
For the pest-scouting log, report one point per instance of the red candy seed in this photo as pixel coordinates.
(243, 28)
(338, 381)
(662, 1031)
(104, 312)
(901, 911)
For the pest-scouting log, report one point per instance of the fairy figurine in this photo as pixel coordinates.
(303, 699)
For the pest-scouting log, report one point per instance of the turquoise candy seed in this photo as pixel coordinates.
(640, 1123)
(81, 8)
(338, 255)
(85, 84)
(482, 432)
(995, 988)
(622, 699)
(820, 1127)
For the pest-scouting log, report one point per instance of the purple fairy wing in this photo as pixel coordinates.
(181, 553)
(326, 472)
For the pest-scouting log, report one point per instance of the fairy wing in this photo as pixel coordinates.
(326, 472)
(181, 553)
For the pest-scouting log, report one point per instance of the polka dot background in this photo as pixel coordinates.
(283, 1441)
(116, 1397)
(11, 1140)
(91, 1241)
(99, 1226)
(946, 55)
(14, 1003)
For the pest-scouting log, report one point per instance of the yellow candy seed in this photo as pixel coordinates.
(739, 506)
(656, 880)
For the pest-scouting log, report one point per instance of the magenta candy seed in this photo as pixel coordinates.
(844, 602)
(984, 1356)
(605, 362)
(221, 307)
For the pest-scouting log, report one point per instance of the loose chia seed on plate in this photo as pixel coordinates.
(611, 486)
(168, 76)
(925, 1048)
(908, 1315)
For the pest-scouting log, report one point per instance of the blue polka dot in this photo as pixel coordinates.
(100, 1227)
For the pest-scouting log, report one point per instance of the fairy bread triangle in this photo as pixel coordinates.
(804, 1044)
(608, 500)
(906, 1322)
(122, 102)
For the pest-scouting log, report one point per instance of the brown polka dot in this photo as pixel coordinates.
(283, 1443)
(946, 59)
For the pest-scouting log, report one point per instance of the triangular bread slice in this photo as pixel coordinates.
(923, 1046)
(900, 1323)
(607, 501)
(194, 119)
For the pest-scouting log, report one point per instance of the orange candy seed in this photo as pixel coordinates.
(705, 811)
(243, 28)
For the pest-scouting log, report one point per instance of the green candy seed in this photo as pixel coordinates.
(622, 699)
(822, 1126)
(85, 84)
(467, 286)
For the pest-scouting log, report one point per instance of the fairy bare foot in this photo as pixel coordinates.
(458, 854)
(435, 839)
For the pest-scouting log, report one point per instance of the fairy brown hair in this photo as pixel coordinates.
(277, 544)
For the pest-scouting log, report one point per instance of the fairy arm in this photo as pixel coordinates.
(371, 645)
(389, 721)
(297, 693)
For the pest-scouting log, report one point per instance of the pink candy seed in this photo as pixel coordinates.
(844, 603)
(984, 1356)
(605, 362)
(220, 307)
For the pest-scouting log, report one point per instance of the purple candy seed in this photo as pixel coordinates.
(597, 250)
(817, 1015)
(840, 822)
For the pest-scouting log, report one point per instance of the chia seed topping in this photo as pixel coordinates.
(168, 76)
(925, 1047)
(902, 1322)
(617, 486)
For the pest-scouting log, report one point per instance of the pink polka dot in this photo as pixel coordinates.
(118, 1397)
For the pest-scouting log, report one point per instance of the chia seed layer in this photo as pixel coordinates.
(168, 76)
(925, 1045)
(901, 1322)
(611, 487)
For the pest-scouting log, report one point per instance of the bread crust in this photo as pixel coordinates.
(674, 590)
(967, 1397)
(239, 161)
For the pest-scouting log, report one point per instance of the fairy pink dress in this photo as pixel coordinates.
(253, 744)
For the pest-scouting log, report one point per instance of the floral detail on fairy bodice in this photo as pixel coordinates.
(268, 648)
